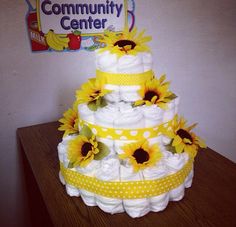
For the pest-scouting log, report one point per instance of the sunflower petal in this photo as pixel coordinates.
(179, 148)
(201, 143)
(177, 140)
(191, 127)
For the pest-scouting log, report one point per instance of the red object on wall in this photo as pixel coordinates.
(37, 38)
(75, 40)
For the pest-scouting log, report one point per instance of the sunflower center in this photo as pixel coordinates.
(149, 95)
(184, 134)
(141, 156)
(95, 94)
(73, 122)
(86, 148)
(125, 42)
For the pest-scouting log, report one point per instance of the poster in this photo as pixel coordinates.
(74, 25)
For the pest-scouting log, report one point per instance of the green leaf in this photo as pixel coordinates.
(70, 165)
(86, 131)
(162, 79)
(103, 151)
(76, 32)
(167, 84)
(170, 148)
(172, 96)
(103, 103)
(92, 106)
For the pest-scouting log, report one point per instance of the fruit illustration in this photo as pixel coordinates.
(75, 40)
(57, 42)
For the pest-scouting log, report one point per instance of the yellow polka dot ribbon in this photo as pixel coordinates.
(123, 134)
(124, 79)
(127, 189)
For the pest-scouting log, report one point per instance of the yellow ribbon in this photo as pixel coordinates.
(124, 78)
(127, 189)
(123, 134)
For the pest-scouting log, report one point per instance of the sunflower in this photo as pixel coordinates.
(141, 155)
(92, 93)
(81, 151)
(70, 120)
(182, 137)
(125, 43)
(155, 92)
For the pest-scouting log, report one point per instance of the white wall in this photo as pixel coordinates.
(193, 42)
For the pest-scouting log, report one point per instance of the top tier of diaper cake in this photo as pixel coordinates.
(125, 149)
(124, 65)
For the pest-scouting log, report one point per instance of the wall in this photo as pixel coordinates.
(193, 43)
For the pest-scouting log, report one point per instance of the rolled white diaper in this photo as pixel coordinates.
(114, 95)
(88, 198)
(62, 149)
(170, 112)
(72, 191)
(178, 193)
(153, 115)
(134, 207)
(105, 116)
(189, 179)
(90, 170)
(165, 140)
(173, 107)
(129, 93)
(109, 171)
(147, 61)
(157, 203)
(62, 178)
(157, 140)
(132, 118)
(85, 113)
(174, 163)
(106, 62)
(130, 64)
(62, 153)
(124, 107)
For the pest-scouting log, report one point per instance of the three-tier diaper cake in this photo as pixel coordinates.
(124, 148)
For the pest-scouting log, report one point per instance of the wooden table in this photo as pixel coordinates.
(211, 201)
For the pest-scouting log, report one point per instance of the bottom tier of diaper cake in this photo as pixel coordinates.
(114, 187)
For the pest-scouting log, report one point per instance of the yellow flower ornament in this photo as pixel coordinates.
(70, 121)
(125, 43)
(141, 155)
(85, 148)
(182, 138)
(155, 92)
(93, 94)
(81, 150)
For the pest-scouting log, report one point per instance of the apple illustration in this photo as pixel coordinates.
(75, 40)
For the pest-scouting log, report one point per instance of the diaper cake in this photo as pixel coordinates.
(124, 148)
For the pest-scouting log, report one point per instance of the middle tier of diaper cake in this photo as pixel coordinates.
(125, 149)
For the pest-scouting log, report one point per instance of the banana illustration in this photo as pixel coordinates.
(57, 42)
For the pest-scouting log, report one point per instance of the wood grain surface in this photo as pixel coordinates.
(211, 201)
